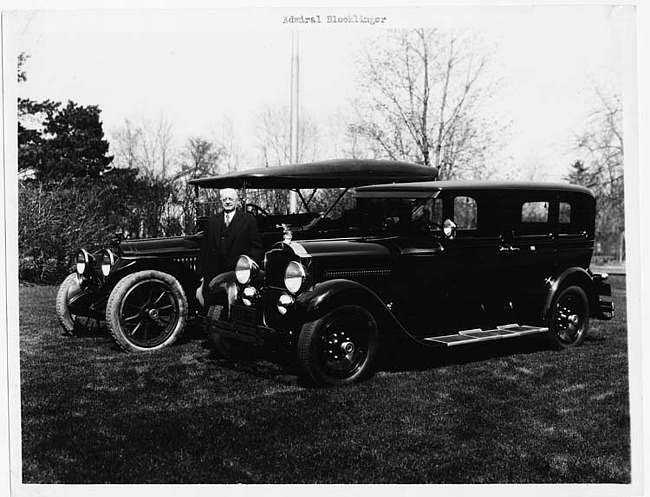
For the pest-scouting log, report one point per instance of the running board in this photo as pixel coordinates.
(467, 337)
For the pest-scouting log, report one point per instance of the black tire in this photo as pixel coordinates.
(146, 311)
(340, 347)
(568, 318)
(71, 323)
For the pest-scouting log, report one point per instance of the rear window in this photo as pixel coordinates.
(565, 213)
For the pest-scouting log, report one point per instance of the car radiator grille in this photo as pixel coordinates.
(276, 264)
(242, 314)
(355, 273)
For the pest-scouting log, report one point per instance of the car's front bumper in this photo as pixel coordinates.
(242, 326)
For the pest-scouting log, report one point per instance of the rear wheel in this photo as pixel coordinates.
(71, 323)
(340, 347)
(568, 318)
(146, 311)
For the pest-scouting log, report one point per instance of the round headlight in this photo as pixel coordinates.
(294, 276)
(83, 262)
(108, 259)
(245, 269)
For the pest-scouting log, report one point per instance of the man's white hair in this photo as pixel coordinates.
(230, 192)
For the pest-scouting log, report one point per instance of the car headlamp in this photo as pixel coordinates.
(294, 276)
(83, 262)
(108, 259)
(245, 270)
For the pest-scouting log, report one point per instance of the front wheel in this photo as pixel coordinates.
(340, 347)
(568, 318)
(146, 311)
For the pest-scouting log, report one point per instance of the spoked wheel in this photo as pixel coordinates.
(339, 348)
(146, 311)
(568, 318)
(71, 323)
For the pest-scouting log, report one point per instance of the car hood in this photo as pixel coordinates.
(160, 246)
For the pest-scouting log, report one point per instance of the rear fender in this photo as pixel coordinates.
(572, 276)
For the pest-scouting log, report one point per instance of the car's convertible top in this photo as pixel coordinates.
(324, 174)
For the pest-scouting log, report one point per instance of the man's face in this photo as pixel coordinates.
(229, 199)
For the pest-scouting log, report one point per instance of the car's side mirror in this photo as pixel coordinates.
(449, 229)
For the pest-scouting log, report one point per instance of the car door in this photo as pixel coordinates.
(451, 278)
(528, 250)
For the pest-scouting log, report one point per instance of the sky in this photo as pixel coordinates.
(198, 69)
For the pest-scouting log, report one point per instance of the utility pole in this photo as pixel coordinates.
(295, 69)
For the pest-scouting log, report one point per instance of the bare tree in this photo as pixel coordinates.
(274, 131)
(421, 90)
(600, 167)
(147, 145)
(200, 157)
(231, 155)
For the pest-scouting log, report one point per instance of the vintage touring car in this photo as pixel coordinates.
(145, 289)
(441, 264)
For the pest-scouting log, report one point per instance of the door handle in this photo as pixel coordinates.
(507, 249)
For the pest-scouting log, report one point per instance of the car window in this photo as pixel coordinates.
(534, 212)
(403, 216)
(427, 212)
(565, 213)
(465, 213)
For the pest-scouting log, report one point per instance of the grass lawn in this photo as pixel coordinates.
(506, 412)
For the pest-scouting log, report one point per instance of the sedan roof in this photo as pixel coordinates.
(323, 174)
(469, 185)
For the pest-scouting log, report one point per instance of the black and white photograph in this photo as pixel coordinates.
(364, 249)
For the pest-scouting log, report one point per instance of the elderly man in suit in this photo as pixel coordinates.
(227, 236)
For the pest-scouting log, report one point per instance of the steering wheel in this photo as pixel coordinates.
(256, 210)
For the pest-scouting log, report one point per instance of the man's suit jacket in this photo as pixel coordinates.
(221, 246)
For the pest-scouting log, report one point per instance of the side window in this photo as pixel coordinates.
(565, 213)
(465, 213)
(428, 211)
(534, 212)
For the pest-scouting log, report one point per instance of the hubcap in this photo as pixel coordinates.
(347, 347)
(569, 324)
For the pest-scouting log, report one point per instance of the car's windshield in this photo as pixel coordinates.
(273, 206)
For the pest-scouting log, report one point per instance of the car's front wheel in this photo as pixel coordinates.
(146, 311)
(71, 323)
(340, 347)
(568, 318)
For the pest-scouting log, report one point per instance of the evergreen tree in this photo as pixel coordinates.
(74, 144)
(56, 143)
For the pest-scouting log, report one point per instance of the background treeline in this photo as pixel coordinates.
(423, 98)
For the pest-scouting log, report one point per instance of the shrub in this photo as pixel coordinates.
(55, 219)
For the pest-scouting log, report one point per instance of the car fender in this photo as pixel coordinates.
(326, 296)
(571, 276)
(185, 275)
